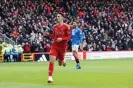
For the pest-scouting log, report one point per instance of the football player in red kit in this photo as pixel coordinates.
(61, 36)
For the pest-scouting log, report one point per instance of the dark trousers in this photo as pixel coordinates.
(15, 57)
(7, 58)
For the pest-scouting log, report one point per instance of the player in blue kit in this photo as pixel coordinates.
(76, 39)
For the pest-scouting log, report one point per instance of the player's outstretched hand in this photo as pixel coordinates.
(59, 39)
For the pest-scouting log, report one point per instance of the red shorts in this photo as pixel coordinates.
(59, 53)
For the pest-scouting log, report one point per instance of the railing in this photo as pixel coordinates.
(6, 39)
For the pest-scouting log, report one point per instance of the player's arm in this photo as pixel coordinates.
(71, 34)
(68, 31)
(80, 36)
(81, 39)
(49, 34)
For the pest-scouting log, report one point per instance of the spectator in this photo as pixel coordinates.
(101, 21)
(27, 48)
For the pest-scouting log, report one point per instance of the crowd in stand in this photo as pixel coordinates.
(105, 23)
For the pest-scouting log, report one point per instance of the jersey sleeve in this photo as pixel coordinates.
(68, 33)
(52, 35)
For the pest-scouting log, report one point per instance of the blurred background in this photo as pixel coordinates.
(106, 24)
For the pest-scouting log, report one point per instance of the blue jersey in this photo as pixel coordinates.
(15, 52)
(76, 36)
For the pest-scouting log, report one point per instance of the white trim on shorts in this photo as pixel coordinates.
(75, 48)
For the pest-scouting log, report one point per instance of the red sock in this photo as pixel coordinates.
(51, 68)
(76, 58)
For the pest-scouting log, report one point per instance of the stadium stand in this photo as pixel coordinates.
(104, 22)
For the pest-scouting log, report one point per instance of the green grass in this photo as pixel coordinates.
(94, 74)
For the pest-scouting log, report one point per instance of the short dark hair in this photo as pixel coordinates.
(60, 14)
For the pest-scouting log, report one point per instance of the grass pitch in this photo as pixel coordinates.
(94, 74)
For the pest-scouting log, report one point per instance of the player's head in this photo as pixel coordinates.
(59, 17)
(74, 24)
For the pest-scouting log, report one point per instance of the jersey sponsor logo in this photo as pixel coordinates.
(59, 32)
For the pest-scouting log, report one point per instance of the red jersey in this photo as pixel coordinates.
(61, 31)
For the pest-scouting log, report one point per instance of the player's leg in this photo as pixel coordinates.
(81, 47)
(61, 62)
(61, 59)
(75, 54)
(51, 65)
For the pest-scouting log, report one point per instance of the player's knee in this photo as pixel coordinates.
(74, 53)
(52, 59)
